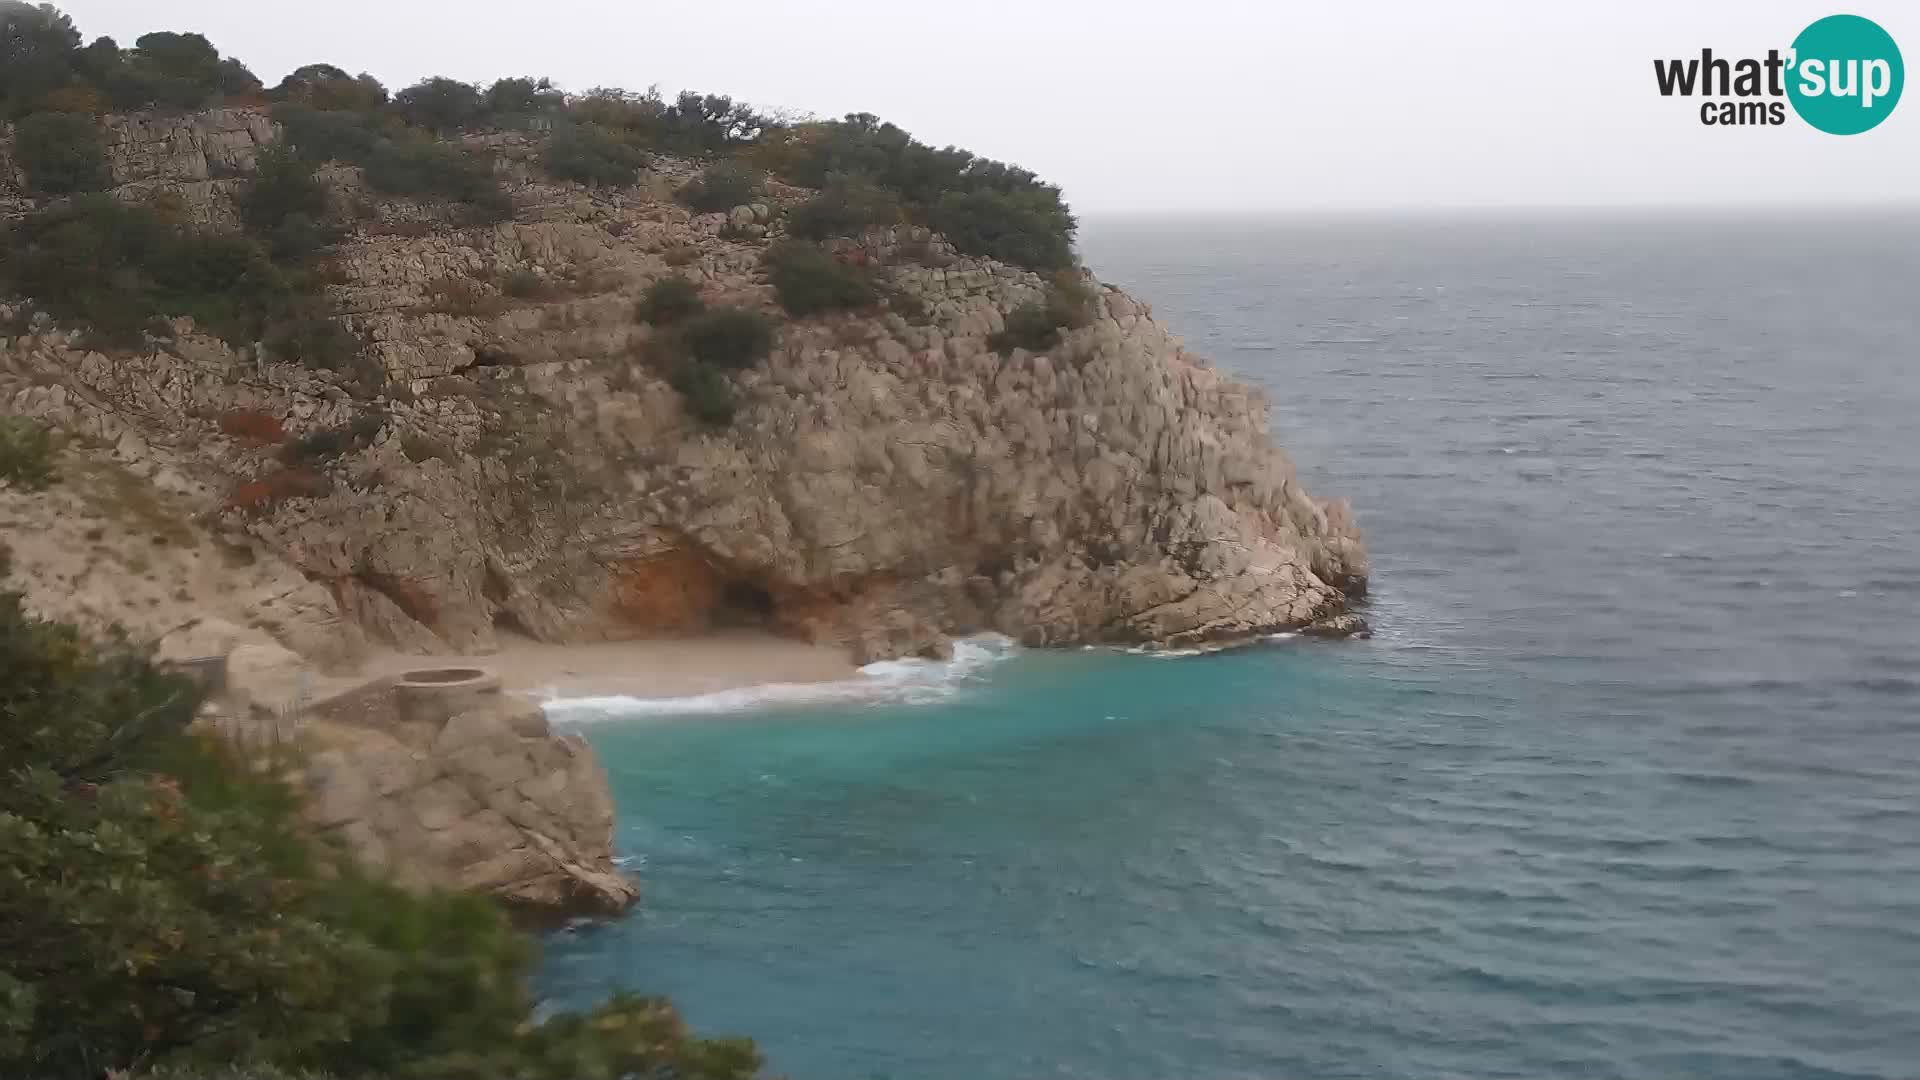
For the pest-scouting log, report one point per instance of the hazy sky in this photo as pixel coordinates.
(1192, 105)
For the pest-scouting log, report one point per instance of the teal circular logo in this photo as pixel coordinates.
(1846, 74)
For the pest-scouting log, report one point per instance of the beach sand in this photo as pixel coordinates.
(668, 667)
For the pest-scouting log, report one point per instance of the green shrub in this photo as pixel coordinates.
(172, 71)
(809, 280)
(426, 170)
(1029, 326)
(163, 908)
(847, 206)
(589, 155)
(1036, 325)
(26, 453)
(286, 205)
(1025, 228)
(517, 97)
(985, 207)
(116, 268)
(313, 341)
(706, 392)
(438, 104)
(412, 167)
(324, 86)
(60, 153)
(327, 135)
(526, 285)
(728, 338)
(670, 300)
(720, 187)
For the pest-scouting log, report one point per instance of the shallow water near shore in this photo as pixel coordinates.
(1628, 785)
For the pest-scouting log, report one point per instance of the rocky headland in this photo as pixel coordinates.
(509, 457)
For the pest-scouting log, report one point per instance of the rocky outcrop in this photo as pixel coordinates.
(198, 160)
(441, 781)
(889, 480)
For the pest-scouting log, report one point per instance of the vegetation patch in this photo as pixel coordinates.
(720, 187)
(60, 153)
(809, 280)
(26, 453)
(263, 494)
(706, 392)
(668, 301)
(252, 427)
(118, 268)
(588, 154)
(847, 206)
(164, 909)
(44, 68)
(1037, 325)
(728, 338)
(286, 204)
(984, 207)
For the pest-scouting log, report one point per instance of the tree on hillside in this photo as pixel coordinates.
(37, 47)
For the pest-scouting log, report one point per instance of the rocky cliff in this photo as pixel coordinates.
(889, 479)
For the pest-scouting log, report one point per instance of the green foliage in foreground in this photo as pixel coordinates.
(159, 909)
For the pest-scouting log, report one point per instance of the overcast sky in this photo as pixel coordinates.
(1170, 106)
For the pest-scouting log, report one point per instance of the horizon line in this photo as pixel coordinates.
(1910, 206)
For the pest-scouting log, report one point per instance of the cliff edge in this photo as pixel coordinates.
(522, 461)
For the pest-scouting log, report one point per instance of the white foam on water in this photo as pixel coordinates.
(890, 682)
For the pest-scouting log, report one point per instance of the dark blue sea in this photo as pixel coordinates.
(1627, 786)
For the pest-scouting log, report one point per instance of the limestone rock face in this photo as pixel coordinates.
(463, 787)
(889, 479)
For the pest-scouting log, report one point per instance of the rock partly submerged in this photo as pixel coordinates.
(441, 781)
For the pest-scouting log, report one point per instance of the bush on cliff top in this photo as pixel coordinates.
(42, 66)
(163, 909)
(985, 207)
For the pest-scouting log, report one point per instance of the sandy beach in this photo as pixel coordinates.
(673, 667)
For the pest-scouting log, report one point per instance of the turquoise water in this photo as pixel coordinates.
(1627, 786)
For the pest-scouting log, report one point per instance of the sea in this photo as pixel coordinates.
(1626, 785)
